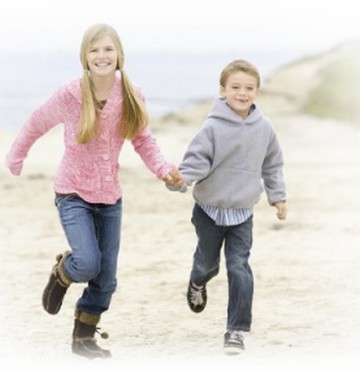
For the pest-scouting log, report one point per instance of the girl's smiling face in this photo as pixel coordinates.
(240, 91)
(102, 57)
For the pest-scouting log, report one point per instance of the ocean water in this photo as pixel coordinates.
(170, 81)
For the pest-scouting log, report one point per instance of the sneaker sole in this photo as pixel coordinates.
(233, 350)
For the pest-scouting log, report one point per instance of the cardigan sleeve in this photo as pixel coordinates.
(45, 117)
(146, 146)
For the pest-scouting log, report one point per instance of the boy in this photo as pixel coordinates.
(235, 150)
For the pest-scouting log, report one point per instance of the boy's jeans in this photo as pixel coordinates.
(238, 242)
(93, 233)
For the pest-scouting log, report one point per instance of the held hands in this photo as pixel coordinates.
(281, 210)
(174, 178)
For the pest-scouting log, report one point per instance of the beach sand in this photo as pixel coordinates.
(307, 280)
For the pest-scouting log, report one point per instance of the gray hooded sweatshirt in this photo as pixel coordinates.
(231, 160)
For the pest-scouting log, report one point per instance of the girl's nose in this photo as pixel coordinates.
(101, 53)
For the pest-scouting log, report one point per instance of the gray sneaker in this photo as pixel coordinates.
(234, 342)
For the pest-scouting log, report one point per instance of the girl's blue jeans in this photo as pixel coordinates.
(93, 233)
(238, 241)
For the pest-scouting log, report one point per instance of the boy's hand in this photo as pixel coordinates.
(174, 178)
(281, 210)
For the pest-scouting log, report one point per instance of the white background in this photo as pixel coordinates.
(180, 25)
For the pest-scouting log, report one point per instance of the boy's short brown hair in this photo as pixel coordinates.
(239, 65)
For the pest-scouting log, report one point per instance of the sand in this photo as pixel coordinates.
(307, 281)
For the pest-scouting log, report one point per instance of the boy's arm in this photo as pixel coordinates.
(197, 161)
(182, 188)
(272, 173)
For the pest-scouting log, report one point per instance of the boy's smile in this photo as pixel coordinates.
(240, 92)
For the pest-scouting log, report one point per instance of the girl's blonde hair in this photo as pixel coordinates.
(133, 114)
(236, 66)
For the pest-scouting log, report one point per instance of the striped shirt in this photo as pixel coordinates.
(227, 216)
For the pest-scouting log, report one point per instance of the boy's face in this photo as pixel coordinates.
(240, 92)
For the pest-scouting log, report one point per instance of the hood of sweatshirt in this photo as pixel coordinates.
(221, 110)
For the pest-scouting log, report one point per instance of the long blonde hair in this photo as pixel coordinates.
(133, 114)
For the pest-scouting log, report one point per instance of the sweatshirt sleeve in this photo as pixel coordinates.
(272, 172)
(198, 158)
(41, 121)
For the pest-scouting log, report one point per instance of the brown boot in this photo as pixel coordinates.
(57, 286)
(83, 338)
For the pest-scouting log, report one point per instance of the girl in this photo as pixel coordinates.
(99, 112)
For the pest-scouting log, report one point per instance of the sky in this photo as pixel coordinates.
(180, 25)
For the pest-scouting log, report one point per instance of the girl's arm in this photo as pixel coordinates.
(41, 121)
(145, 145)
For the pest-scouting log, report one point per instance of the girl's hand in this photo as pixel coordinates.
(174, 178)
(281, 210)
(14, 167)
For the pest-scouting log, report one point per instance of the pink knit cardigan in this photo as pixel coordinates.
(92, 169)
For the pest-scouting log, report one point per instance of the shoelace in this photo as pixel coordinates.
(236, 336)
(102, 334)
(196, 297)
